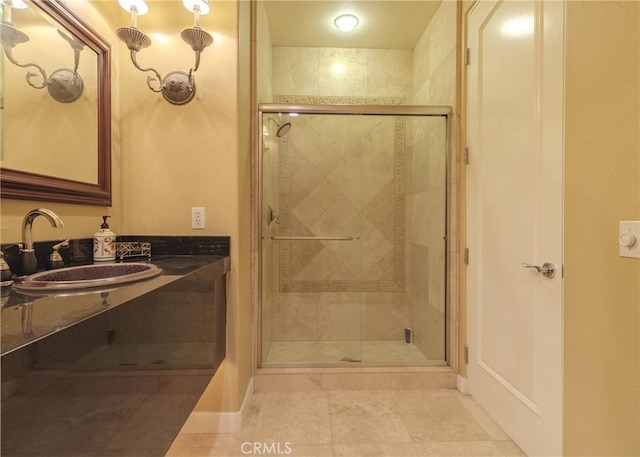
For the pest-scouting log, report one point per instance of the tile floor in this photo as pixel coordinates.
(357, 423)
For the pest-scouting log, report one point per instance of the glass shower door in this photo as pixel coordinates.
(311, 242)
(353, 239)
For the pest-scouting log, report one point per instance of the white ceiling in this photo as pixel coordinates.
(390, 24)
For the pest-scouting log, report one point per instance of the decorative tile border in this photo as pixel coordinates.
(319, 100)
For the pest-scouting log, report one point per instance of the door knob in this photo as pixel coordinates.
(548, 269)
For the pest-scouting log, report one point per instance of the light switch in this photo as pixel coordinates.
(629, 239)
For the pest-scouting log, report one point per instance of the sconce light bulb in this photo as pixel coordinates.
(138, 7)
(6, 8)
(17, 4)
(193, 5)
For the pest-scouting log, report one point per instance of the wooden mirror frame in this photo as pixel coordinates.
(30, 186)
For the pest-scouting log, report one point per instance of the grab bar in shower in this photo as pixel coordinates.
(312, 238)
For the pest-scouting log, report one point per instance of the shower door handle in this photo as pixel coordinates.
(547, 269)
(312, 238)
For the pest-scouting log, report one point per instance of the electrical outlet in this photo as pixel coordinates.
(197, 218)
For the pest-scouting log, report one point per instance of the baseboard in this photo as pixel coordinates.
(217, 422)
(461, 384)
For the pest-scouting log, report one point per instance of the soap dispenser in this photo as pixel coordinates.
(104, 243)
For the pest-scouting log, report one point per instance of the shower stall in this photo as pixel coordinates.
(353, 254)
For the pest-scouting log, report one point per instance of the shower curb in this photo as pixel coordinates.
(365, 378)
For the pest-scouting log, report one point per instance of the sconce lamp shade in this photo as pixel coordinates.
(11, 36)
(191, 5)
(17, 4)
(134, 38)
(197, 38)
(140, 6)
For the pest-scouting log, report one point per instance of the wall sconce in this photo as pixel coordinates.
(177, 87)
(64, 85)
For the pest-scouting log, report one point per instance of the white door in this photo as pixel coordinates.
(515, 125)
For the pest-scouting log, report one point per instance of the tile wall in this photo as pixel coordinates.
(270, 159)
(434, 77)
(298, 305)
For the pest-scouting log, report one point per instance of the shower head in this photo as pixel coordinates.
(283, 129)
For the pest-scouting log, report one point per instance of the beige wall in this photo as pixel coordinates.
(602, 169)
(178, 157)
(264, 55)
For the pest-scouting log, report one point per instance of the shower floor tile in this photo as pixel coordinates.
(343, 351)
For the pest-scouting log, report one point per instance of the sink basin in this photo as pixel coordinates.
(88, 276)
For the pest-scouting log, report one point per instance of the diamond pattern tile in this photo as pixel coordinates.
(339, 177)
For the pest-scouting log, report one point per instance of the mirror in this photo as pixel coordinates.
(55, 128)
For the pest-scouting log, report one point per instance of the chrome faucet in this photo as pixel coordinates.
(28, 261)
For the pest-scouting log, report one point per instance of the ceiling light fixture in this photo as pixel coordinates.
(178, 87)
(346, 22)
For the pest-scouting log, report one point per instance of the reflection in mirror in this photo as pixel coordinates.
(55, 142)
(64, 85)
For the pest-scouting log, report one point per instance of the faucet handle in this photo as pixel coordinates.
(5, 271)
(56, 258)
(62, 244)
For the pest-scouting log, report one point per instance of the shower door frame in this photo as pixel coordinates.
(450, 333)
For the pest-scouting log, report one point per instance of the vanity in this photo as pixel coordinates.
(110, 370)
(116, 370)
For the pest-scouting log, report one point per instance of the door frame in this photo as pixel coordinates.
(451, 280)
(464, 134)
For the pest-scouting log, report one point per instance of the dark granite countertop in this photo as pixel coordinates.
(28, 318)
